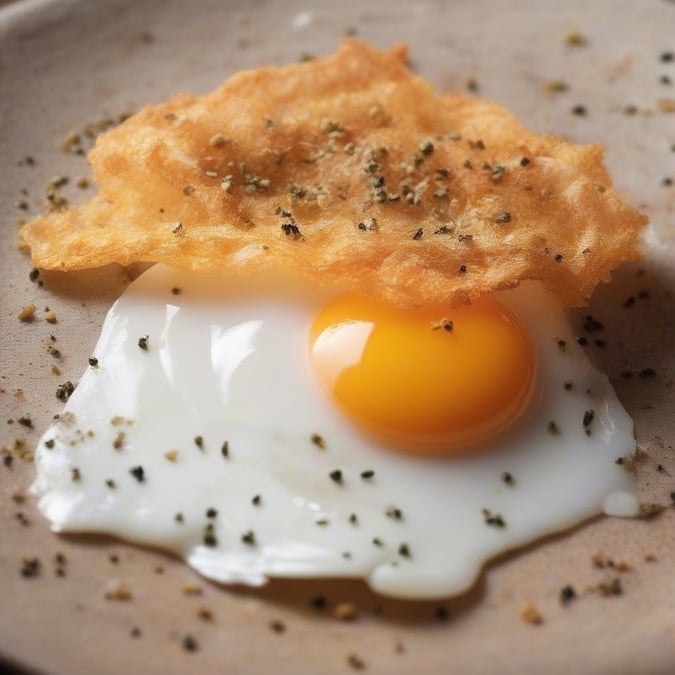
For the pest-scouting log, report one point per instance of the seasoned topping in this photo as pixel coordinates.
(407, 139)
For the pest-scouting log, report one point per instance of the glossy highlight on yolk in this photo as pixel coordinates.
(434, 380)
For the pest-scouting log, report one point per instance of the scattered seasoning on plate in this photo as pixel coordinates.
(30, 568)
(336, 476)
(64, 391)
(356, 662)
(493, 519)
(138, 472)
(204, 614)
(567, 594)
(507, 478)
(116, 590)
(249, 538)
(143, 342)
(530, 614)
(189, 643)
(610, 587)
(345, 611)
(318, 440)
(277, 626)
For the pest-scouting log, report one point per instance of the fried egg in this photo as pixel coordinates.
(258, 427)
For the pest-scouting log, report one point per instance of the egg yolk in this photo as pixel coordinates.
(434, 380)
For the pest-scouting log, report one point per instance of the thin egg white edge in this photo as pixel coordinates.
(227, 361)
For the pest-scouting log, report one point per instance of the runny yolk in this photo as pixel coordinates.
(435, 380)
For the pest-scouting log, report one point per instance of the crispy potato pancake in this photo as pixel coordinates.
(347, 170)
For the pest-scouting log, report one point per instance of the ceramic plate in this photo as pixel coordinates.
(67, 64)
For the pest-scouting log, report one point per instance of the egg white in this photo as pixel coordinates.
(226, 360)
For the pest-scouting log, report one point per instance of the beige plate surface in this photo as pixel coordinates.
(65, 64)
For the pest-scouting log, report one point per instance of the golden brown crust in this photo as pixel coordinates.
(347, 170)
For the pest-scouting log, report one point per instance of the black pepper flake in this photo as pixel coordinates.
(318, 440)
(441, 613)
(567, 386)
(248, 538)
(189, 643)
(138, 472)
(143, 342)
(502, 217)
(93, 361)
(25, 422)
(562, 345)
(135, 632)
(426, 148)
(567, 594)
(199, 442)
(49, 444)
(179, 518)
(647, 372)
(368, 474)
(579, 110)
(667, 57)
(524, 161)
(462, 269)
(65, 390)
(256, 500)
(34, 274)
(558, 257)
(75, 474)
(587, 420)
(318, 602)
(591, 324)
(553, 428)
(30, 567)
(418, 235)
(278, 626)
(353, 519)
(507, 478)
(493, 519)
(336, 476)
(394, 513)
(210, 539)
(211, 513)
(356, 662)
(111, 483)
(291, 229)
(225, 449)
(404, 551)
(8, 460)
(377, 541)
(581, 340)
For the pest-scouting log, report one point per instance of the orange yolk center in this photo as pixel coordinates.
(432, 380)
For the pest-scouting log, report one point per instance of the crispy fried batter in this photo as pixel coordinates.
(347, 170)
